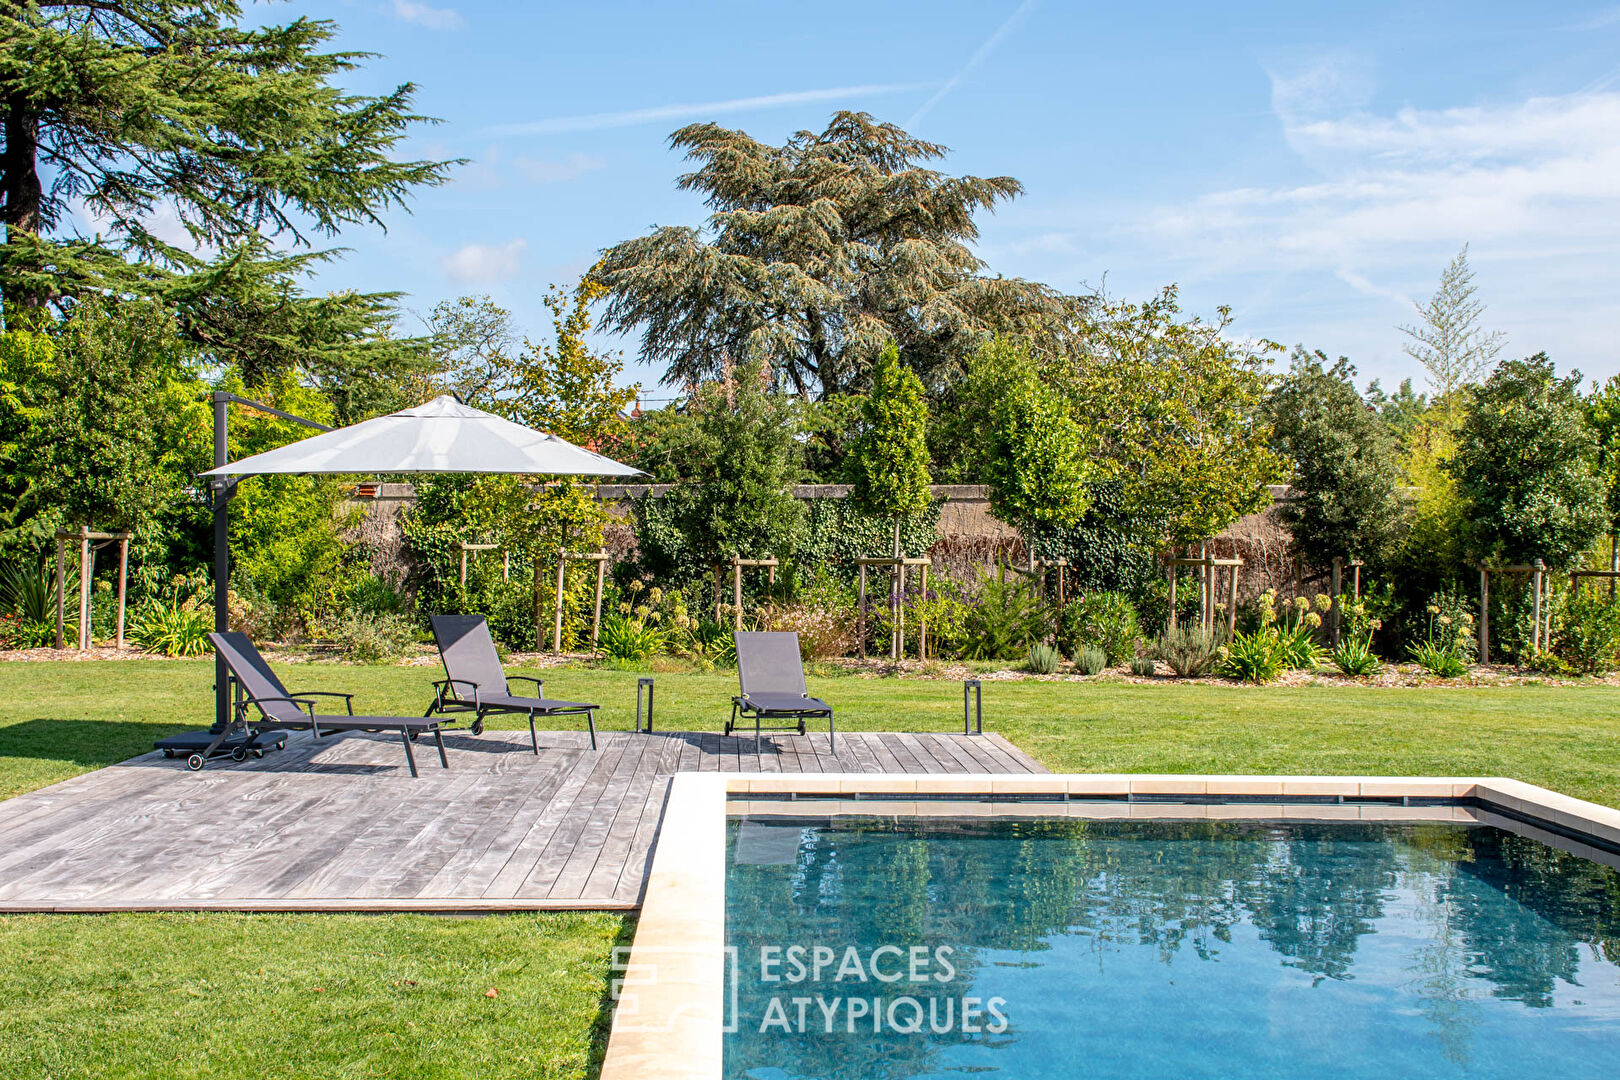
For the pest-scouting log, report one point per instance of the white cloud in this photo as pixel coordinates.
(1381, 200)
(597, 121)
(425, 15)
(571, 167)
(484, 262)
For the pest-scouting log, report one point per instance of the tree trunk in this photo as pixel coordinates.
(19, 185)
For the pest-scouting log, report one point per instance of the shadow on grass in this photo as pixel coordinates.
(87, 743)
(604, 1008)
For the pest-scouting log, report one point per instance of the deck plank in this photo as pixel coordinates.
(319, 825)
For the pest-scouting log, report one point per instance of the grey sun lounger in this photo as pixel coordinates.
(476, 682)
(771, 677)
(257, 685)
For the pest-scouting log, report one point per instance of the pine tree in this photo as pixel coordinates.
(1450, 343)
(819, 253)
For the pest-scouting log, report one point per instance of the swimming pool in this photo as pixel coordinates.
(931, 947)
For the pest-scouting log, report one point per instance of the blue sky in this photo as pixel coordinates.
(1312, 166)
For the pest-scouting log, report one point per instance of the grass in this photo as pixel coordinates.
(336, 996)
(60, 719)
(328, 996)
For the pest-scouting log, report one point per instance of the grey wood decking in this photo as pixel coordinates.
(340, 825)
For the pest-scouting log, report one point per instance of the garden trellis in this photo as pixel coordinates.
(1207, 590)
(1540, 610)
(89, 543)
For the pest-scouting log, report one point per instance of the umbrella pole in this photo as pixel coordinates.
(223, 490)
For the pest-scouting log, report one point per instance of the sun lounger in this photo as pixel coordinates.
(476, 682)
(771, 677)
(279, 709)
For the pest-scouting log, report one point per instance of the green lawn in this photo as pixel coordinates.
(317, 996)
(60, 719)
(405, 996)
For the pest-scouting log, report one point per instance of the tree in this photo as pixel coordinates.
(564, 386)
(1450, 343)
(126, 110)
(888, 463)
(1603, 417)
(96, 452)
(1035, 462)
(1177, 407)
(738, 469)
(1346, 475)
(819, 252)
(1524, 467)
(472, 340)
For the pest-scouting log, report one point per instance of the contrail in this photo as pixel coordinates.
(597, 121)
(974, 61)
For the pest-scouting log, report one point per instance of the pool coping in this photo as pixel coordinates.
(669, 1023)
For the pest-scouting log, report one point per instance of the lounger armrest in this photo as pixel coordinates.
(302, 703)
(348, 699)
(441, 685)
(539, 684)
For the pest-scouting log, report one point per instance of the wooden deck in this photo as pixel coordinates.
(340, 825)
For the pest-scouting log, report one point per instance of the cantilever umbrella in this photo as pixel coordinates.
(441, 436)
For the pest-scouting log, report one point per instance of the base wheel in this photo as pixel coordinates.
(801, 727)
(239, 753)
(477, 726)
(195, 762)
(168, 753)
(258, 753)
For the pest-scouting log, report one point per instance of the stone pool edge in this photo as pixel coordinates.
(668, 1025)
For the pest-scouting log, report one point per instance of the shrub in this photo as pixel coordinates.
(627, 637)
(710, 640)
(1143, 667)
(1189, 651)
(1090, 660)
(372, 638)
(1043, 659)
(1005, 619)
(1355, 657)
(824, 632)
(1586, 633)
(27, 591)
(379, 596)
(1106, 620)
(1256, 657)
(171, 628)
(1438, 659)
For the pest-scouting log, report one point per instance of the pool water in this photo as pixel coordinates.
(1162, 949)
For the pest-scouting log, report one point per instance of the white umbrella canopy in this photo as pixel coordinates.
(441, 436)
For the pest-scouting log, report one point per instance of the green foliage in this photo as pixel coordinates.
(1144, 667)
(1090, 660)
(1176, 405)
(564, 386)
(1450, 343)
(371, 637)
(1043, 659)
(1524, 467)
(1346, 478)
(244, 131)
(819, 253)
(172, 627)
(1355, 656)
(888, 463)
(1106, 620)
(1254, 657)
(28, 590)
(106, 414)
(738, 469)
(1004, 618)
(1602, 408)
(1586, 632)
(1190, 651)
(1033, 457)
(1437, 659)
(627, 637)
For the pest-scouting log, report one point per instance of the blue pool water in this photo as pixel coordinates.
(1162, 949)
